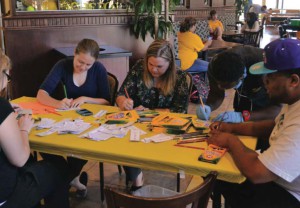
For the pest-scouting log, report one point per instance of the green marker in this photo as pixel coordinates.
(65, 91)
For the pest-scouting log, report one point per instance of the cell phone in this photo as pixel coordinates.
(84, 112)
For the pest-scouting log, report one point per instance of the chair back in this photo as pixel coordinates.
(198, 197)
(113, 87)
(252, 38)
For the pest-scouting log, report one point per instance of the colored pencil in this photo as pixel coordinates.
(180, 145)
(202, 104)
(127, 95)
(49, 111)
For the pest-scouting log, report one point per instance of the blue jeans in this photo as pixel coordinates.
(198, 66)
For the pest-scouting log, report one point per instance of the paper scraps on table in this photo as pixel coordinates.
(74, 127)
(67, 126)
(135, 133)
(106, 131)
(158, 138)
(45, 123)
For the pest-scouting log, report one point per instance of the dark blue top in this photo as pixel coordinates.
(8, 172)
(95, 86)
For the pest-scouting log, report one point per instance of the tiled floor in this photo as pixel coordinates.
(163, 179)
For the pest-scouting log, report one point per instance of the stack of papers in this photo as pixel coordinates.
(105, 132)
(45, 123)
(66, 126)
(74, 127)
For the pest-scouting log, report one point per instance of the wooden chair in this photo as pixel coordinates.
(198, 197)
(113, 89)
(252, 38)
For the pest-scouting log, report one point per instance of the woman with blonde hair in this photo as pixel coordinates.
(153, 83)
(25, 182)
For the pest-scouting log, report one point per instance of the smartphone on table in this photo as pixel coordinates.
(84, 112)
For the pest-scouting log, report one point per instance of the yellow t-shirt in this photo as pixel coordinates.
(189, 44)
(214, 24)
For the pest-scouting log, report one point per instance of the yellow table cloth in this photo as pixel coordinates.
(160, 156)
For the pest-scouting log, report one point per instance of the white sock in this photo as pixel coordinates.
(76, 183)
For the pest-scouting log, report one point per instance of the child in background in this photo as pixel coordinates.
(215, 26)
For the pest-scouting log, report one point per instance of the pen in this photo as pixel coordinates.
(65, 91)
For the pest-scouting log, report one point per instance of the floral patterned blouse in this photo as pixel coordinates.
(153, 98)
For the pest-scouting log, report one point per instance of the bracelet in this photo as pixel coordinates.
(24, 130)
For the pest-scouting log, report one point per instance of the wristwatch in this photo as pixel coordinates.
(246, 115)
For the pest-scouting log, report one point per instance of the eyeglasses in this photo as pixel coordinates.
(7, 75)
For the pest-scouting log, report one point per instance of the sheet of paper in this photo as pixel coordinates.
(36, 107)
(74, 127)
(158, 138)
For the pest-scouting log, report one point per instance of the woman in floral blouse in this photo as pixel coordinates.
(153, 83)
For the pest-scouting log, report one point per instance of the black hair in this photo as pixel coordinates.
(289, 72)
(226, 67)
(252, 19)
(212, 13)
(187, 24)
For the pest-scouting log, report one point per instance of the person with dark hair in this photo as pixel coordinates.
(251, 23)
(230, 69)
(24, 182)
(261, 11)
(273, 177)
(216, 27)
(258, 9)
(85, 81)
(189, 45)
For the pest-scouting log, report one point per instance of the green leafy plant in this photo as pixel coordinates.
(240, 4)
(149, 18)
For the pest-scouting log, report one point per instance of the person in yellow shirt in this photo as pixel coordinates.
(189, 44)
(215, 26)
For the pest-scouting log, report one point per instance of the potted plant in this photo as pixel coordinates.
(240, 4)
(149, 18)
